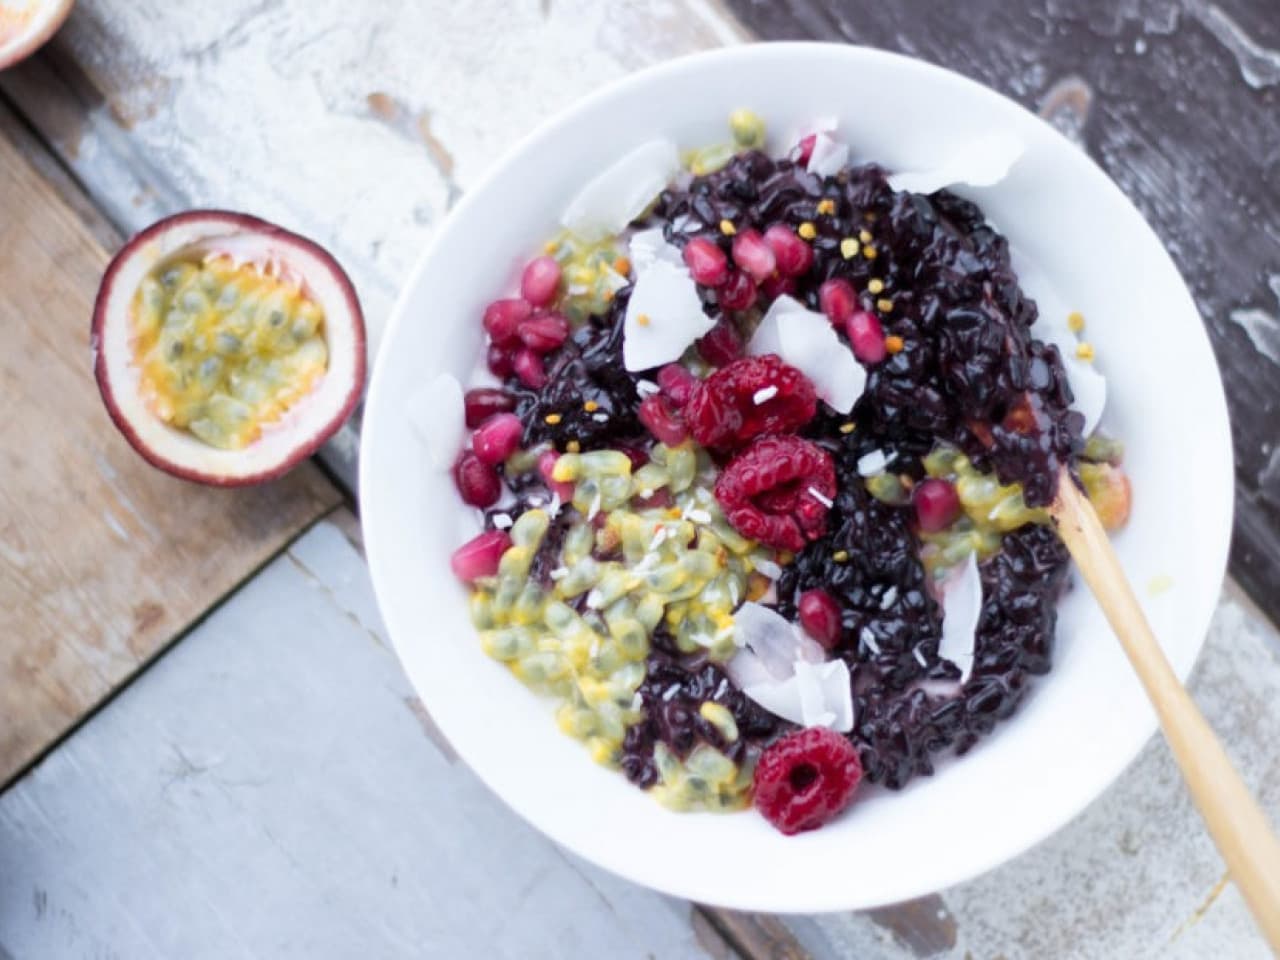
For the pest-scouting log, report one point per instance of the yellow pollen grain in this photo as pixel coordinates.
(893, 344)
(727, 228)
(622, 265)
(643, 319)
(826, 207)
(869, 251)
(552, 418)
(884, 305)
(784, 557)
(840, 556)
(807, 230)
(591, 406)
(1084, 351)
(869, 217)
(875, 285)
(847, 427)
(848, 248)
(1075, 321)
(550, 247)
(864, 236)
(674, 513)
(573, 446)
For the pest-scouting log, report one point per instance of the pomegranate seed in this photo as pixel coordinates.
(805, 149)
(527, 365)
(794, 256)
(499, 360)
(561, 488)
(502, 319)
(722, 345)
(937, 504)
(777, 285)
(483, 402)
(544, 332)
(663, 420)
(753, 255)
(820, 617)
(479, 557)
(837, 299)
(706, 262)
(739, 292)
(477, 481)
(540, 281)
(677, 383)
(866, 336)
(497, 438)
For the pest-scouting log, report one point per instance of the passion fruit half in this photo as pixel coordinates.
(227, 349)
(25, 25)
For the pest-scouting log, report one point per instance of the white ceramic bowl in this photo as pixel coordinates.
(1081, 725)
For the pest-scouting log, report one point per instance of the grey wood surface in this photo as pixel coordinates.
(1179, 100)
(272, 788)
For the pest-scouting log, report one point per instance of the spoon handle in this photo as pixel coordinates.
(1235, 821)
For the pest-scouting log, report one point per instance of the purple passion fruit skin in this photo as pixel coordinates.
(626, 562)
(215, 356)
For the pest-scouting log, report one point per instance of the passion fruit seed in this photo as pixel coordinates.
(225, 350)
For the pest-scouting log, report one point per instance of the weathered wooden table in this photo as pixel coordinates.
(270, 786)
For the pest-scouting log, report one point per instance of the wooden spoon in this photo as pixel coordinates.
(1235, 821)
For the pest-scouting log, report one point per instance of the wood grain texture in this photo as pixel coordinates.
(1179, 101)
(267, 790)
(103, 560)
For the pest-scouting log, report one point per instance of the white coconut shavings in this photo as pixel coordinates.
(870, 464)
(698, 516)
(961, 610)
(620, 192)
(664, 315)
(559, 573)
(806, 340)
(647, 388)
(817, 125)
(821, 497)
(919, 657)
(868, 638)
(764, 395)
(553, 508)
(596, 502)
(815, 695)
(889, 597)
(436, 416)
(648, 247)
(785, 671)
(637, 701)
(769, 569)
(669, 693)
(721, 690)
(502, 521)
(829, 155)
(600, 417)
(980, 162)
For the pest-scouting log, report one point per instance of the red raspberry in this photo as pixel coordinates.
(723, 410)
(804, 779)
(778, 491)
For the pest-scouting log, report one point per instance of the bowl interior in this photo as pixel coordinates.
(1081, 724)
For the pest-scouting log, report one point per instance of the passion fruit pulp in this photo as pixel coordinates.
(227, 349)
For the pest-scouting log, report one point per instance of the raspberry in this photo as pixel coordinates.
(778, 491)
(804, 779)
(723, 411)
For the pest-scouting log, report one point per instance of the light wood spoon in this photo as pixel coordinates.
(1235, 821)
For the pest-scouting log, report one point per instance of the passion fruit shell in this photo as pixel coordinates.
(24, 29)
(199, 236)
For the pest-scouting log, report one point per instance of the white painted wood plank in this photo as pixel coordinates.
(1135, 876)
(268, 789)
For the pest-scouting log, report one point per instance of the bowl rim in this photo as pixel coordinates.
(1219, 438)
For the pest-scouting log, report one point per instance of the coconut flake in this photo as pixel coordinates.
(773, 639)
(815, 695)
(502, 521)
(980, 162)
(436, 415)
(620, 193)
(648, 247)
(764, 395)
(769, 569)
(828, 157)
(868, 638)
(961, 610)
(821, 497)
(666, 297)
(869, 464)
(807, 341)
(890, 595)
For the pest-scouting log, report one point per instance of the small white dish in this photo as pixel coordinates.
(1080, 726)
